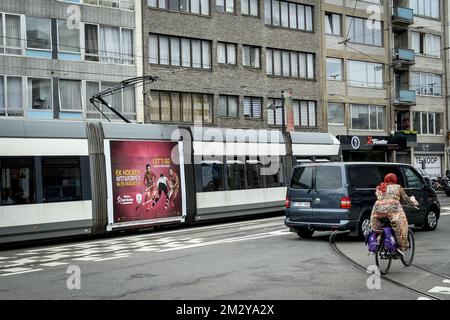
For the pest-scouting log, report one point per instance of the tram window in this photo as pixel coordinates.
(254, 178)
(17, 181)
(61, 179)
(212, 176)
(236, 174)
(272, 170)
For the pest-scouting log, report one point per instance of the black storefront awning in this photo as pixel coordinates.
(372, 143)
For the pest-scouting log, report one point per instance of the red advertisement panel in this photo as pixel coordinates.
(146, 183)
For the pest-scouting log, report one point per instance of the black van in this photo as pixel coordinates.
(340, 196)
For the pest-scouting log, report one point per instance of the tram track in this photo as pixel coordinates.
(384, 277)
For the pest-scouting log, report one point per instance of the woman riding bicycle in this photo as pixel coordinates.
(388, 206)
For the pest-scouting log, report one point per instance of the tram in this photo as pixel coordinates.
(62, 178)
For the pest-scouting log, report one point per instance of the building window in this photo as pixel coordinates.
(108, 44)
(17, 181)
(10, 34)
(226, 53)
(70, 95)
(368, 117)
(61, 179)
(250, 8)
(39, 33)
(304, 113)
(119, 4)
(225, 6)
(426, 44)
(68, 38)
(228, 106)
(11, 103)
(426, 84)
(333, 24)
(290, 64)
(200, 7)
(288, 15)
(334, 69)
(336, 113)
(252, 108)
(40, 94)
(176, 51)
(365, 31)
(429, 123)
(123, 101)
(180, 107)
(251, 56)
(365, 74)
(425, 8)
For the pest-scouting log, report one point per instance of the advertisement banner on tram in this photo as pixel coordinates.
(147, 181)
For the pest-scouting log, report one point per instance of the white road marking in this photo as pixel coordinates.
(229, 240)
(441, 290)
(19, 272)
(445, 213)
(112, 258)
(53, 264)
(446, 281)
(423, 298)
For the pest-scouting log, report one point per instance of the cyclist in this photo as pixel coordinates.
(388, 206)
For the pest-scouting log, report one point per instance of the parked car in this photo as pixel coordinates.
(340, 196)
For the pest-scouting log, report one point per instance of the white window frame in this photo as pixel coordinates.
(81, 96)
(29, 92)
(342, 69)
(419, 90)
(343, 111)
(24, 92)
(51, 36)
(333, 33)
(369, 106)
(80, 40)
(22, 39)
(122, 4)
(367, 84)
(419, 130)
(121, 53)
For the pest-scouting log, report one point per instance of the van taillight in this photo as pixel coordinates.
(346, 203)
(287, 203)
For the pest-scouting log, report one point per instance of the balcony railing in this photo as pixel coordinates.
(406, 55)
(406, 97)
(403, 15)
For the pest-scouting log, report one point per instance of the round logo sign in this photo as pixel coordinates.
(356, 143)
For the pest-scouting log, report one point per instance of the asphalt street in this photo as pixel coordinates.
(251, 259)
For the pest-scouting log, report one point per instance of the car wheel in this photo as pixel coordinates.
(364, 226)
(305, 233)
(431, 220)
(447, 193)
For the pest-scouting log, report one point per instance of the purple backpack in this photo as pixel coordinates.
(372, 242)
(389, 239)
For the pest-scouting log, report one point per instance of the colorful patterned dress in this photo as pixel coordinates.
(388, 206)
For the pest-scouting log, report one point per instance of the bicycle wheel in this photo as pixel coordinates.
(383, 260)
(407, 260)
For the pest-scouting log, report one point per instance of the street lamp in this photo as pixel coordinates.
(274, 108)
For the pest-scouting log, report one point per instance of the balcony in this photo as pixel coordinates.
(410, 136)
(405, 98)
(402, 17)
(403, 58)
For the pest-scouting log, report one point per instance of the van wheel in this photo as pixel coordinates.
(305, 233)
(364, 226)
(431, 220)
(447, 193)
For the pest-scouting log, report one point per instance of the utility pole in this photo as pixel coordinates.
(283, 113)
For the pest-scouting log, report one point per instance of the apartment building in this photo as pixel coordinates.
(384, 80)
(419, 68)
(55, 54)
(224, 62)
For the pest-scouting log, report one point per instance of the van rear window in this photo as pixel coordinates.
(328, 177)
(302, 178)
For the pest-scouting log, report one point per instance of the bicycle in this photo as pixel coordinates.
(386, 253)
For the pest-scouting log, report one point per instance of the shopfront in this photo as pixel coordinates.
(430, 157)
(371, 148)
